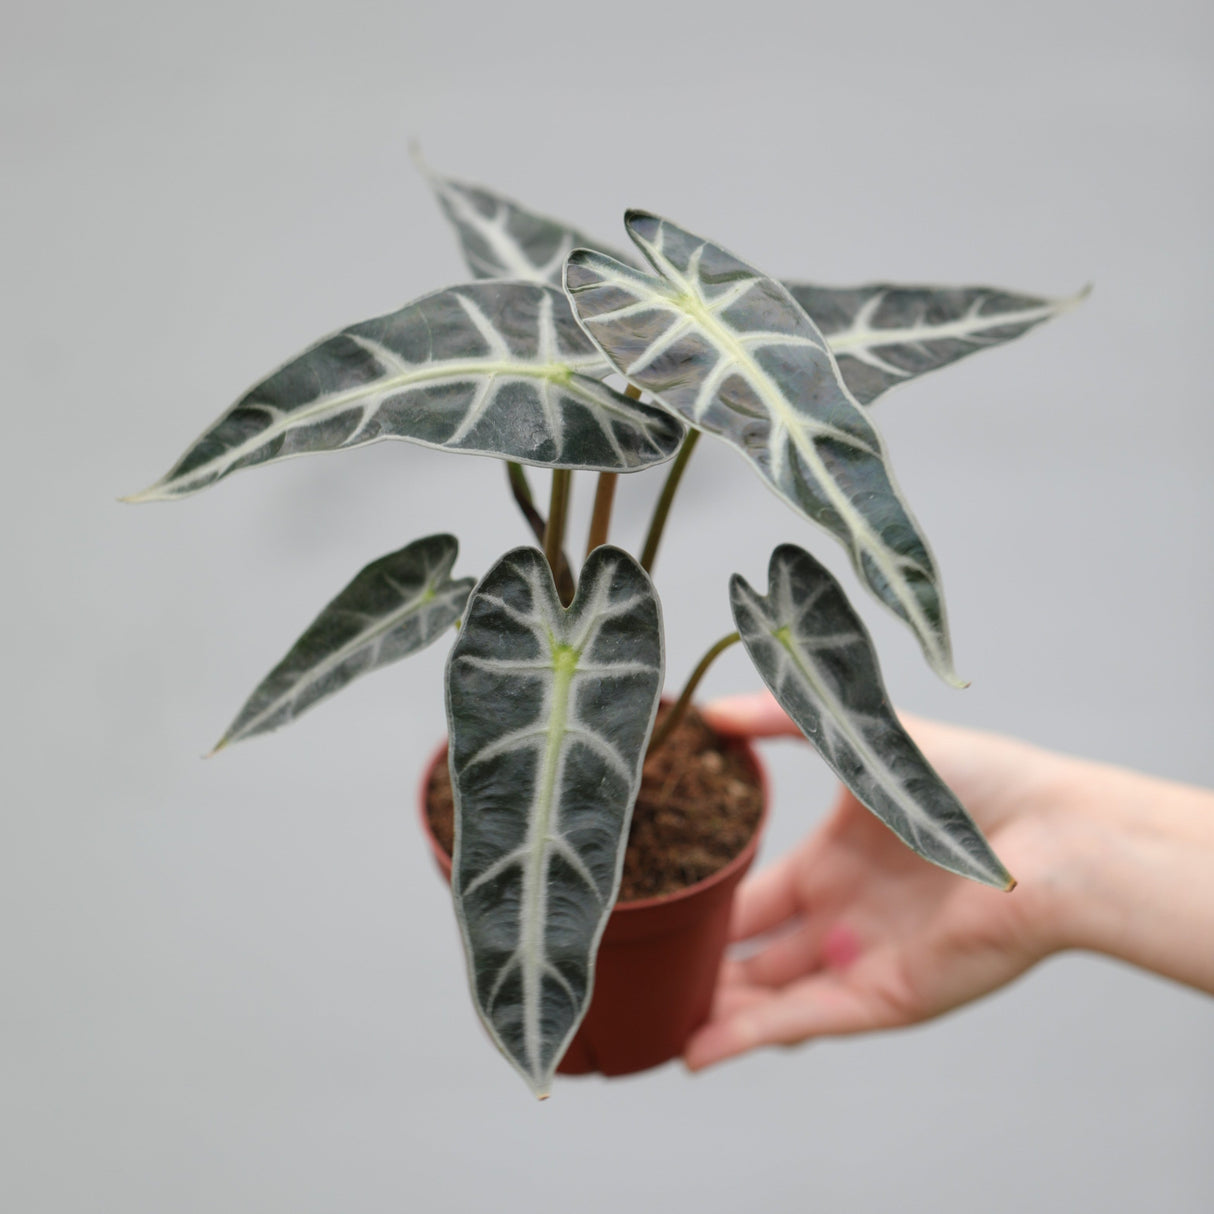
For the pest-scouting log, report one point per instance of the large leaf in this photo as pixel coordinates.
(394, 607)
(811, 649)
(502, 239)
(549, 711)
(881, 334)
(884, 335)
(491, 368)
(732, 353)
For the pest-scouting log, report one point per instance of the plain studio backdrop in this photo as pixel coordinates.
(235, 985)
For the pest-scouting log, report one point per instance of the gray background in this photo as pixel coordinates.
(235, 985)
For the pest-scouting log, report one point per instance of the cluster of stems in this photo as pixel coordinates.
(550, 535)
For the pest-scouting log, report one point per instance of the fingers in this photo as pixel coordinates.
(822, 1006)
(758, 715)
(766, 900)
(779, 893)
(794, 955)
(731, 999)
(754, 716)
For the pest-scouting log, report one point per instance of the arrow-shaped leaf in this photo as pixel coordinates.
(733, 354)
(881, 334)
(490, 368)
(394, 607)
(502, 239)
(811, 649)
(549, 711)
(884, 335)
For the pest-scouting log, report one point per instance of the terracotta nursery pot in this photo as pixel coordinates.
(658, 960)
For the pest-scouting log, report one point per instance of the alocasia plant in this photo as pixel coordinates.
(554, 679)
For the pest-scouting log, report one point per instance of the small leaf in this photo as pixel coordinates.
(394, 607)
(490, 368)
(501, 238)
(814, 653)
(884, 335)
(731, 352)
(549, 711)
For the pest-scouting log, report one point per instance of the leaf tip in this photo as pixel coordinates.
(419, 160)
(1010, 884)
(1073, 301)
(540, 1082)
(222, 744)
(943, 666)
(150, 494)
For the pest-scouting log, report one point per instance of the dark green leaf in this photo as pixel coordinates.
(549, 711)
(884, 335)
(490, 368)
(814, 653)
(394, 607)
(731, 352)
(502, 239)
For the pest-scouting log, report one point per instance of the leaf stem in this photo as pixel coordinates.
(554, 533)
(535, 520)
(658, 523)
(679, 708)
(521, 492)
(604, 496)
(600, 520)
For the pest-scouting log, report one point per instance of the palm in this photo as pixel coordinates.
(855, 932)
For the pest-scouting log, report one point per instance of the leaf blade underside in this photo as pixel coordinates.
(394, 607)
(730, 352)
(814, 653)
(490, 368)
(884, 335)
(549, 711)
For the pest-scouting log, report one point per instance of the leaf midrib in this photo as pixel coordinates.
(534, 894)
(795, 425)
(559, 373)
(873, 764)
(426, 595)
(866, 337)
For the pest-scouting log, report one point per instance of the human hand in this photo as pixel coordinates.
(856, 932)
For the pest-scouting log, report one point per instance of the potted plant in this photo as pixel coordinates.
(555, 674)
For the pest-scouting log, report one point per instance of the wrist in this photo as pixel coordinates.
(1122, 868)
(1052, 838)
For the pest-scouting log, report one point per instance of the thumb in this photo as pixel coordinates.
(756, 715)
